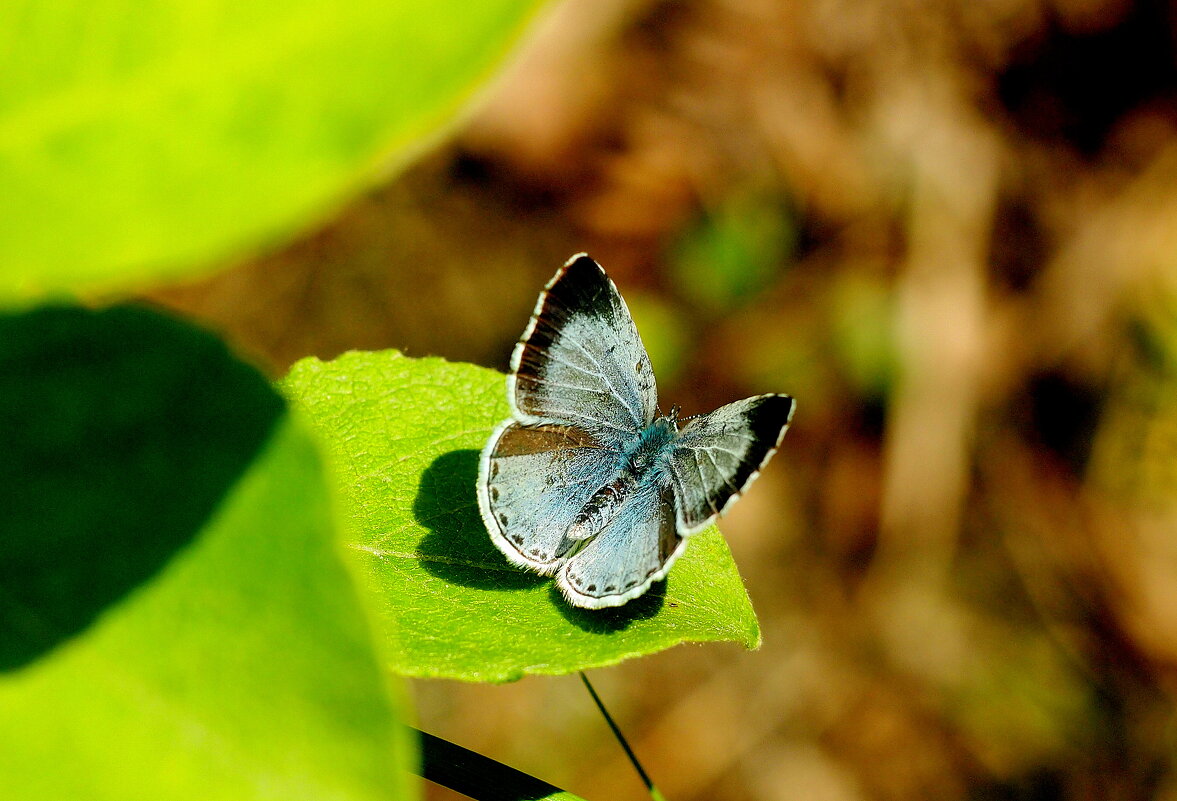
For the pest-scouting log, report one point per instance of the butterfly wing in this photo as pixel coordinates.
(630, 553)
(532, 482)
(718, 455)
(580, 361)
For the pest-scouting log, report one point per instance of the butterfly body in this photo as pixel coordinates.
(642, 467)
(586, 480)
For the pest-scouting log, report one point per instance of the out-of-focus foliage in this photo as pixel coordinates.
(734, 251)
(150, 141)
(659, 323)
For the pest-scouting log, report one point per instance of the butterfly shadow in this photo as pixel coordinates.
(612, 618)
(458, 548)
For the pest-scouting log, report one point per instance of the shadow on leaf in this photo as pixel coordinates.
(115, 458)
(613, 618)
(457, 547)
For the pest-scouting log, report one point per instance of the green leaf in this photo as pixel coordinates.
(142, 142)
(175, 618)
(404, 436)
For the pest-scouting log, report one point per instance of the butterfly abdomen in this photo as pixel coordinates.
(601, 507)
(640, 465)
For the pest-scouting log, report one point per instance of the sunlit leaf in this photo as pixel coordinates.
(404, 436)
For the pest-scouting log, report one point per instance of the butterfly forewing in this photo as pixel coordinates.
(628, 555)
(533, 480)
(581, 361)
(718, 455)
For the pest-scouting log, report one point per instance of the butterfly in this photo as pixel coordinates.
(587, 480)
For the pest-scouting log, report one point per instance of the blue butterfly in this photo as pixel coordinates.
(585, 479)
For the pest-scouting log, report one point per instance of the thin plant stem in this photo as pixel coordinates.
(654, 793)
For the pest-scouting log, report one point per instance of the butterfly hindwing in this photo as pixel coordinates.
(630, 553)
(718, 455)
(581, 361)
(533, 480)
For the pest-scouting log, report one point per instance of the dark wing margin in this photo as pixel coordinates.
(580, 360)
(717, 456)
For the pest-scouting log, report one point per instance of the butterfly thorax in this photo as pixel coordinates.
(650, 446)
(640, 464)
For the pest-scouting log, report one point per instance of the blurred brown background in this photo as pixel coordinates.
(949, 229)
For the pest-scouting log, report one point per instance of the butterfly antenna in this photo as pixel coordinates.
(654, 793)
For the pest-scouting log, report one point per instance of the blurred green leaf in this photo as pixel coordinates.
(1134, 449)
(405, 435)
(663, 335)
(734, 250)
(146, 141)
(861, 331)
(175, 618)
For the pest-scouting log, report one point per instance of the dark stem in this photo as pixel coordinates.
(479, 777)
(620, 738)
